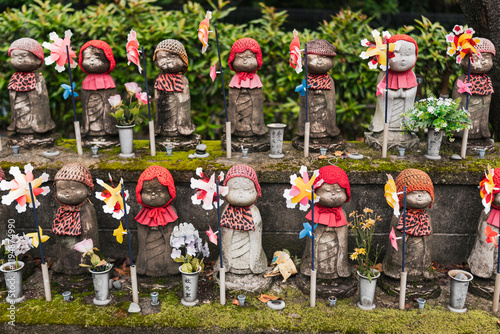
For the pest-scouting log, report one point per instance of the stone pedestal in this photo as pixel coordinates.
(331, 144)
(33, 140)
(179, 143)
(338, 287)
(395, 139)
(254, 143)
(426, 288)
(250, 282)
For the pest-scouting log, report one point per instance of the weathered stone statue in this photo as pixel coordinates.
(155, 191)
(481, 89)
(401, 96)
(98, 126)
(5, 213)
(241, 223)
(246, 98)
(173, 125)
(75, 219)
(321, 99)
(420, 196)
(29, 100)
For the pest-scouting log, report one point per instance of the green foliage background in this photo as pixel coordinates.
(111, 22)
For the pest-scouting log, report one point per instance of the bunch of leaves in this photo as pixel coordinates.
(363, 227)
(128, 114)
(441, 114)
(95, 260)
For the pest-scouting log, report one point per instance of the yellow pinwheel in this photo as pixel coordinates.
(113, 199)
(377, 51)
(119, 232)
(462, 43)
(391, 194)
(34, 237)
(300, 191)
(486, 187)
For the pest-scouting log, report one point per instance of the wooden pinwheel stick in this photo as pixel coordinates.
(402, 287)
(222, 270)
(386, 123)
(228, 124)
(45, 269)
(133, 269)
(78, 135)
(313, 272)
(466, 131)
(496, 292)
(152, 143)
(307, 128)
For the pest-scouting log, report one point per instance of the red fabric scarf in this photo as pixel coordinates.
(22, 82)
(169, 82)
(238, 218)
(98, 81)
(156, 216)
(67, 221)
(319, 81)
(242, 76)
(494, 217)
(399, 80)
(331, 217)
(481, 84)
(417, 223)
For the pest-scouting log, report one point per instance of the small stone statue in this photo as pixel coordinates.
(172, 97)
(75, 219)
(28, 95)
(246, 98)
(483, 257)
(481, 89)
(330, 251)
(401, 96)
(98, 126)
(155, 191)
(420, 196)
(242, 230)
(321, 99)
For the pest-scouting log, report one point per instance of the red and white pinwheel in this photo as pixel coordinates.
(58, 52)
(462, 43)
(133, 50)
(486, 187)
(377, 51)
(112, 197)
(301, 192)
(206, 189)
(295, 55)
(19, 187)
(394, 239)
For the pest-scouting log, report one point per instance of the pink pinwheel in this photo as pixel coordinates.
(301, 189)
(394, 242)
(206, 189)
(213, 73)
(491, 236)
(133, 50)
(19, 188)
(58, 51)
(464, 87)
(212, 236)
(295, 55)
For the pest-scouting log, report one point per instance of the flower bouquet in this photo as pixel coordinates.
(129, 115)
(92, 258)
(188, 248)
(17, 245)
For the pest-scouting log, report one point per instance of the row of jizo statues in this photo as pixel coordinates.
(31, 114)
(241, 224)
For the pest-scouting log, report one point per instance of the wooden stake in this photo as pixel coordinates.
(228, 140)
(152, 143)
(133, 278)
(307, 133)
(222, 275)
(402, 291)
(384, 140)
(46, 282)
(78, 137)
(496, 293)
(313, 288)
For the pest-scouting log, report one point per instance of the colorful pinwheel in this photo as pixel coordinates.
(486, 187)
(302, 88)
(391, 194)
(464, 87)
(212, 236)
(491, 236)
(58, 51)
(133, 50)
(307, 230)
(213, 73)
(112, 197)
(19, 187)
(206, 189)
(378, 51)
(203, 31)
(393, 238)
(119, 232)
(462, 43)
(69, 90)
(34, 237)
(301, 189)
(295, 55)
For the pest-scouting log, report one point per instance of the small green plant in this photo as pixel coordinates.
(188, 248)
(131, 114)
(363, 226)
(91, 256)
(440, 114)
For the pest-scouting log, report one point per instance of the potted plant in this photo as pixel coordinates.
(98, 266)
(13, 270)
(128, 116)
(440, 116)
(363, 226)
(188, 249)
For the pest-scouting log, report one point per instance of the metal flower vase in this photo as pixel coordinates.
(434, 139)
(126, 135)
(367, 290)
(14, 281)
(458, 290)
(276, 132)
(101, 286)
(189, 288)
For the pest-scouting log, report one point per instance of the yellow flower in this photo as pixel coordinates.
(366, 210)
(360, 251)
(368, 223)
(352, 214)
(354, 256)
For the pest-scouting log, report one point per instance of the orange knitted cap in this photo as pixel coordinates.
(413, 179)
(75, 172)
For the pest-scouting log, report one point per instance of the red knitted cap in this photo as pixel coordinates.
(244, 171)
(75, 172)
(413, 179)
(100, 45)
(2, 174)
(242, 45)
(163, 176)
(27, 44)
(402, 37)
(485, 46)
(333, 174)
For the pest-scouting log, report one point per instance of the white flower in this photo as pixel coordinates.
(177, 242)
(430, 109)
(176, 253)
(375, 33)
(205, 250)
(190, 249)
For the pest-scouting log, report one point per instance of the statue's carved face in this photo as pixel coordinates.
(479, 65)
(24, 61)
(404, 57)
(169, 62)
(317, 64)
(154, 194)
(331, 195)
(71, 192)
(241, 191)
(94, 60)
(418, 199)
(245, 62)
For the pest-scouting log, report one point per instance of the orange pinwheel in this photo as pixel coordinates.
(486, 187)
(301, 189)
(391, 195)
(491, 236)
(377, 51)
(203, 31)
(462, 43)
